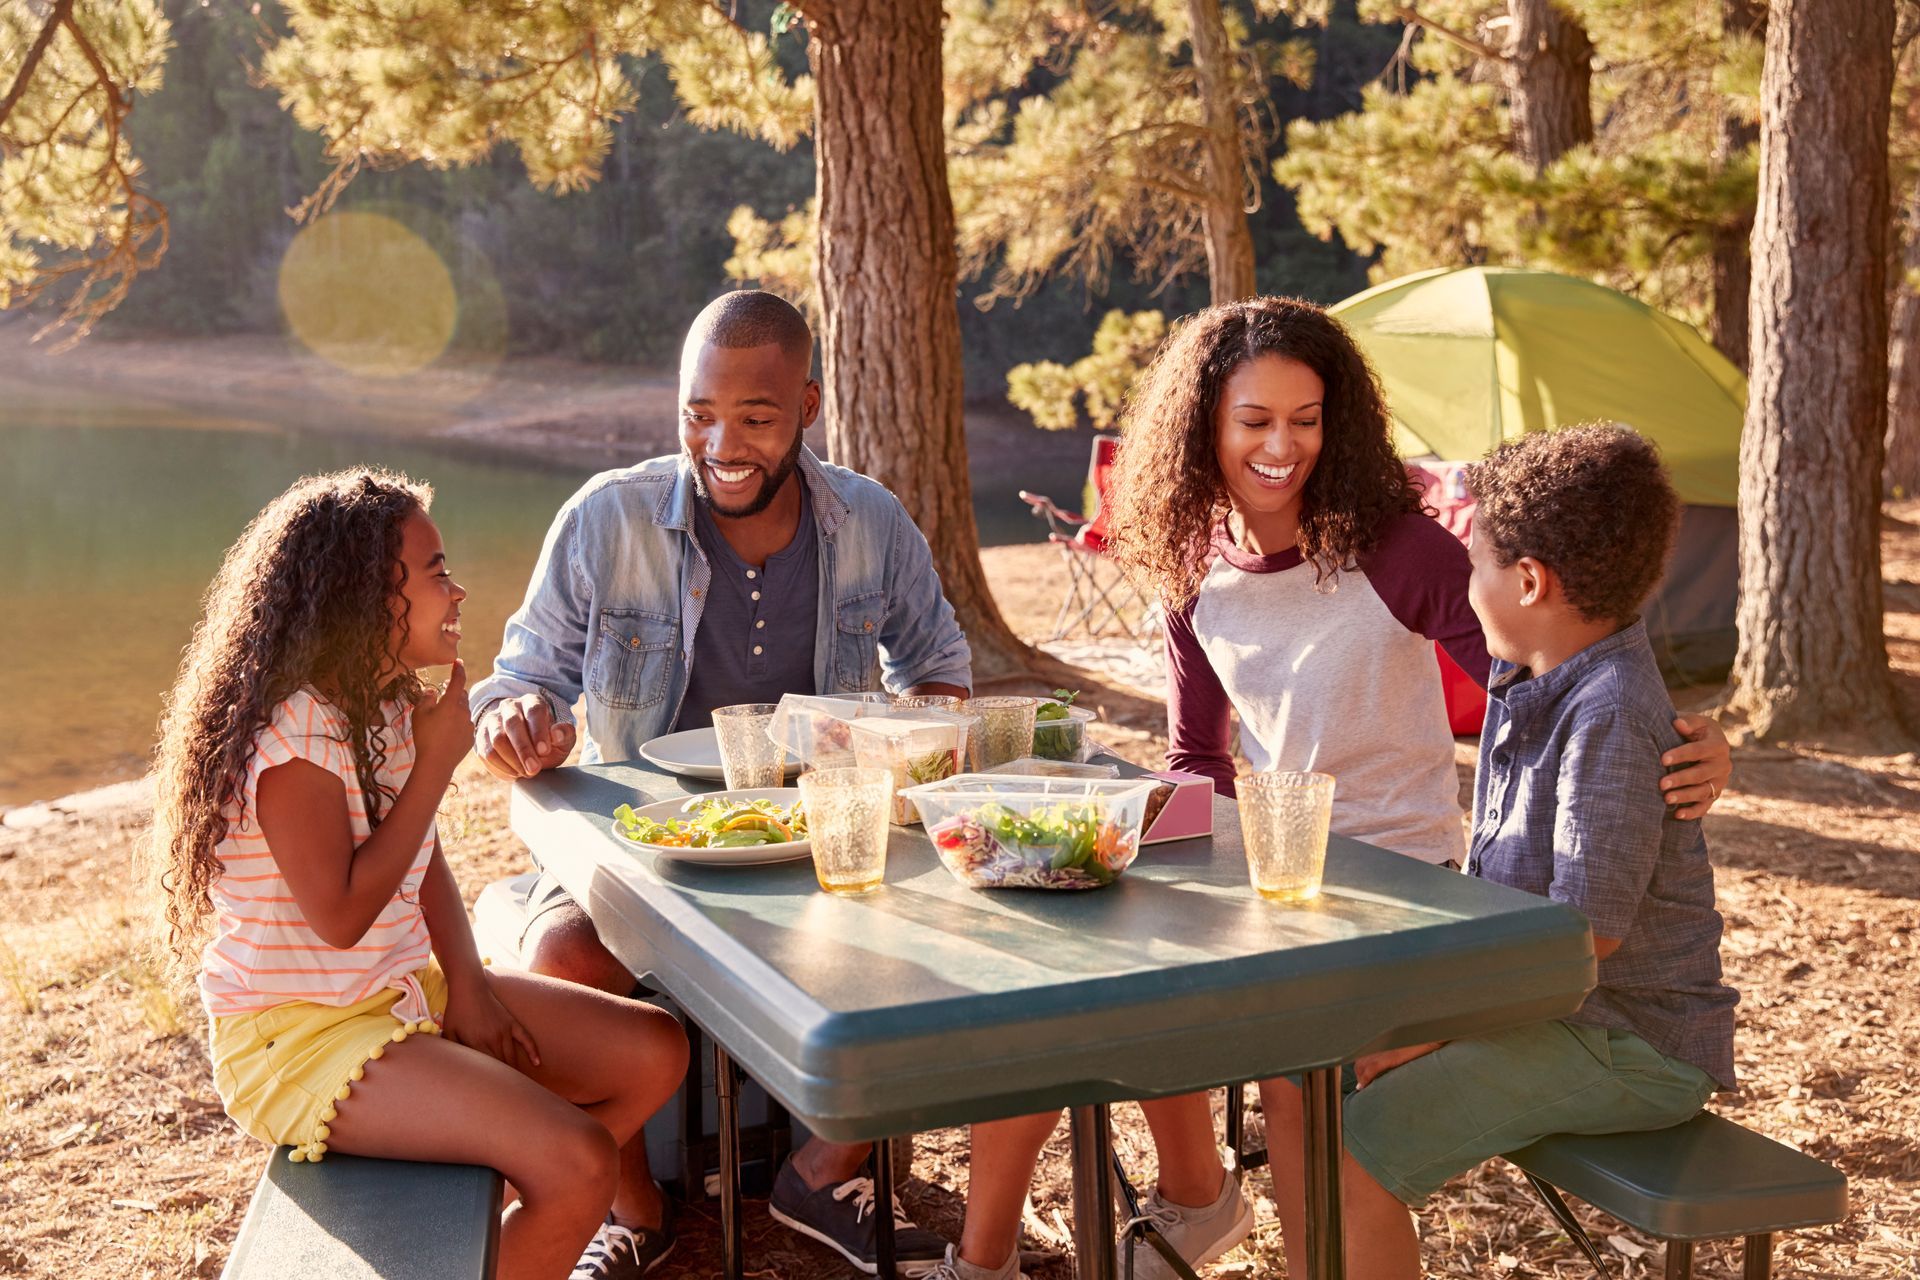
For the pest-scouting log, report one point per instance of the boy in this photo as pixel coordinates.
(1570, 536)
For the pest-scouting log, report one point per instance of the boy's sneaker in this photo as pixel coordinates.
(954, 1267)
(842, 1218)
(1197, 1234)
(625, 1253)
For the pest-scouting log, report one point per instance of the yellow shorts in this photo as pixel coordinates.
(281, 1072)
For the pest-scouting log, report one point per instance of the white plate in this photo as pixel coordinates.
(692, 753)
(757, 855)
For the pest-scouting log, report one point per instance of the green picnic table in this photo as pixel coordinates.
(928, 1004)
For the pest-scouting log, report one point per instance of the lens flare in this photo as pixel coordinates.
(368, 295)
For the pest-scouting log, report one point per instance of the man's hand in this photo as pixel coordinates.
(517, 737)
(1693, 790)
(1373, 1065)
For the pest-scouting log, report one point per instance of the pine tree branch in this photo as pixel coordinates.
(1413, 17)
(56, 18)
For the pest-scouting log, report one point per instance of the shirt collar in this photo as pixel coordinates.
(830, 510)
(1519, 689)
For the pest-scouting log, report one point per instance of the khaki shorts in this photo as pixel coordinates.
(1470, 1100)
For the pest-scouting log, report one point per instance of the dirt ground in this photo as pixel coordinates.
(115, 1160)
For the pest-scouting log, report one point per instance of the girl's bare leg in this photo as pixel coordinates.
(999, 1172)
(1379, 1229)
(617, 1058)
(1190, 1170)
(427, 1099)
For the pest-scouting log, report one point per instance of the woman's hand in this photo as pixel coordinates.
(476, 1018)
(1372, 1066)
(1705, 766)
(442, 731)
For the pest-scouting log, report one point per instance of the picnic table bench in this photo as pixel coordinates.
(348, 1218)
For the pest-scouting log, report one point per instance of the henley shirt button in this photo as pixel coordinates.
(756, 595)
(752, 574)
(756, 650)
(759, 624)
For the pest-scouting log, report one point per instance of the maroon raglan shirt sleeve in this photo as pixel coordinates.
(1420, 572)
(1199, 725)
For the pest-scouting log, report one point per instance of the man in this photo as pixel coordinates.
(740, 570)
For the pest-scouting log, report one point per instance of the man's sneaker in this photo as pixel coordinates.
(842, 1218)
(1197, 1234)
(954, 1267)
(625, 1253)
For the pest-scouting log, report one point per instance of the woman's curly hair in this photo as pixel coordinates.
(1168, 493)
(308, 595)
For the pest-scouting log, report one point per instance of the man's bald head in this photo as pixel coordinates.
(751, 318)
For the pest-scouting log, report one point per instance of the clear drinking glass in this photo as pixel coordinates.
(1284, 819)
(1006, 729)
(847, 812)
(748, 754)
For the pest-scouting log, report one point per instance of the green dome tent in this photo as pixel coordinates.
(1471, 356)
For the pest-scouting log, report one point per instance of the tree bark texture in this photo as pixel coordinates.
(1230, 266)
(1812, 662)
(1732, 262)
(1549, 75)
(886, 276)
(1901, 475)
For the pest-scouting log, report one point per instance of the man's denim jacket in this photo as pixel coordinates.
(621, 582)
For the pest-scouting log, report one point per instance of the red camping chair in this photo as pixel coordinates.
(1095, 599)
(1444, 487)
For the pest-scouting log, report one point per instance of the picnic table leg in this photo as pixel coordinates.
(883, 1209)
(1326, 1242)
(1093, 1225)
(726, 1088)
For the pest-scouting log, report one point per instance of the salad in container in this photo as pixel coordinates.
(1060, 728)
(916, 746)
(819, 728)
(1001, 831)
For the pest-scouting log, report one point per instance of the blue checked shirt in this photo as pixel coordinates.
(1566, 805)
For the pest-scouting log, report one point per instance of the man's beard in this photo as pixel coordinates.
(769, 485)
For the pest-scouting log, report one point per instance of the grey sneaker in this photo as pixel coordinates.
(622, 1253)
(954, 1267)
(1197, 1234)
(842, 1218)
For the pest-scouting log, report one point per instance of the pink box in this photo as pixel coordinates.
(1186, 813)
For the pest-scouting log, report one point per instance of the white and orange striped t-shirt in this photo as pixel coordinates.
(262, 952)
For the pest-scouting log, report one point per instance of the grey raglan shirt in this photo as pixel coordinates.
(1337, 676)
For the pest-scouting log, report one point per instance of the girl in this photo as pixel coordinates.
(1259, 497)
(300, 765)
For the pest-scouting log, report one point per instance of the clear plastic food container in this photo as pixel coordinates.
(1063, 738)
(913, 746)
(996, 831)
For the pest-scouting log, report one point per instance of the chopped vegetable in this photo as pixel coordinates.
(1064, 847)
(717, 824)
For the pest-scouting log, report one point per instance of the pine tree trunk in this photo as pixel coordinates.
(1901, 475)
(886, 277)
(1549, 74)
(1230, 268)
(1812, 662)
(1732, 263)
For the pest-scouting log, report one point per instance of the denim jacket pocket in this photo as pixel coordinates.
(632, 658)
(856, 642)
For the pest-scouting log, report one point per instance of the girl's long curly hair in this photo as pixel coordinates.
(307, 596)
(1168, 494)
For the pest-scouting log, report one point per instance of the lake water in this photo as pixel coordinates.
(109, 534)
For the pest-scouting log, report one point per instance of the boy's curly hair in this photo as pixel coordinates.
(1593, 503)
(1168, 494)
(308, 595)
